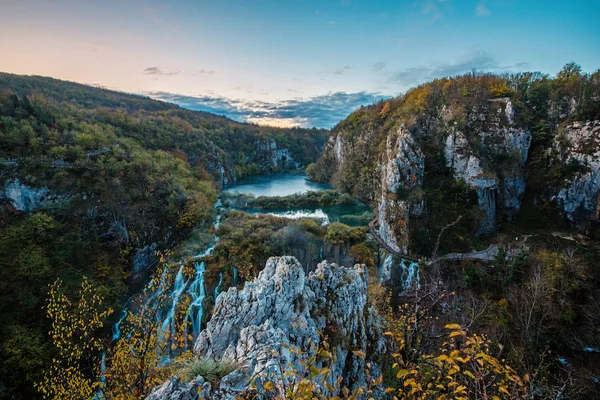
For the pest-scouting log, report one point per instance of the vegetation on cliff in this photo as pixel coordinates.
(542, 105)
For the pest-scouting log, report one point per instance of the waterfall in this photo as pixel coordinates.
(192, 288)
(410, 274)
(218, 288)
(321, 253)
(117, 326)
(197, 294)
(178, 288)
(408, 271)
(385, 270)
(235, 276)
(99, 395)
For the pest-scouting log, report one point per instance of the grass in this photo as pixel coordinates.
(211, 370)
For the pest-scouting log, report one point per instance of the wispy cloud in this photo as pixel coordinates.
(431, 9)
(158, 71)
(341, 71)
(204, 72)
(478, 61)
(321, 111)
(481, 10)
(378, 66)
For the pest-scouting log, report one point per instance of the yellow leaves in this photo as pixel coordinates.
(269, 386)
(402, 373)
(359, 354)
(453, 327)
(457, 333)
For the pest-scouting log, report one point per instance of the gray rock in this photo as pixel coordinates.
(25, 198)
(579, 199)
(272, 326)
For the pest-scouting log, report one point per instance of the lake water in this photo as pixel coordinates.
(276, 185)
(287, 184)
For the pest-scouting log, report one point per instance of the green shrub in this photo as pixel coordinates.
(211, 370)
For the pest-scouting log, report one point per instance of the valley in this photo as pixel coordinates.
(230, 259)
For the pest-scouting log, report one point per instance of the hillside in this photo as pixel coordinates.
(494, 183)
(95, 182)
(479, 146)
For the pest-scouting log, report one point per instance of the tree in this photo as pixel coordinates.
(75, 370)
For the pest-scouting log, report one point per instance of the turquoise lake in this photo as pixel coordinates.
(276, 185)
(288, 184)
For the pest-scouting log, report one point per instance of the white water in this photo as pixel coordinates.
(218, 288)
(192, 288)
(385, 271)
(409, 271)
(297, 214)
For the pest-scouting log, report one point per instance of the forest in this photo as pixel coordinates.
(114, 178)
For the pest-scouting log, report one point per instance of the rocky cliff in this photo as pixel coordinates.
(275, 324)
(578, 145)
(462, 146)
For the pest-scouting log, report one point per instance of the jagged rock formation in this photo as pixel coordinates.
(271, 326)
(579, 145)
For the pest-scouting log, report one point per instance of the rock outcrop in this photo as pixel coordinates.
(578, 144)
(28, 199)
(401, 172)
(271, 327)
(270, 157)
(495, 169)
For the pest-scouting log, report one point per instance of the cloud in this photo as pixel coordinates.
(378, 66)
(431, 9)
(320, 111)
(478, 61)
(481, 10)
(204, 72)
(341, 71)
(158, 71)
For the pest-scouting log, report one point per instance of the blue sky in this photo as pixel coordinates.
(290, 62)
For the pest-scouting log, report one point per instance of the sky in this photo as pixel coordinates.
(290, 62)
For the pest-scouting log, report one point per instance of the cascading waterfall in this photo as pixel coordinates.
(385, 271)
(235, 276)
(408, 273)
(181, 287)
(117, 326)
(197, 294)
(218, 288)
(178, 288)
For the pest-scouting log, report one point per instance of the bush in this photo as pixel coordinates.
(211, 370)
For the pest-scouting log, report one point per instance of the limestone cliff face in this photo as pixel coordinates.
(487, 150)
(272, 325)
(401, 172)
(267, 155)
(496, 168)
(270, 157)
(579, 144)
